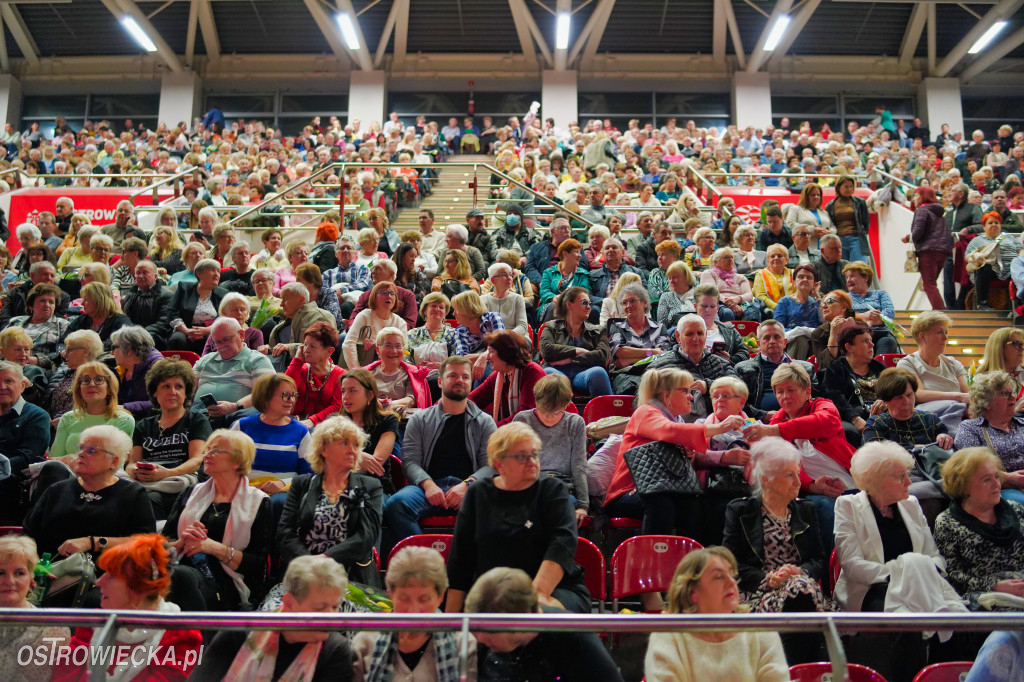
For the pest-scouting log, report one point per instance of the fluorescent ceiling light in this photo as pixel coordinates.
(138, 34)
(987, 37)
(562, 32)
(348, 31)
(778, 30)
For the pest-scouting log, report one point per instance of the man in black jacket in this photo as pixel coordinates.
(757, 372)
(646, 256)
(830, 264)
(693, 356)
(40, 273)
(962, 219)
(147, 303)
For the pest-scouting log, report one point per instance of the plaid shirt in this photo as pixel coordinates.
(921, 429)
(46, 343)
(353, 278)
(621, 334)
(466, 342)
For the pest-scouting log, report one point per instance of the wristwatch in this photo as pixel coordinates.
(102, 543)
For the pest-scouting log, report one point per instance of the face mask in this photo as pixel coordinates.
(512, 220)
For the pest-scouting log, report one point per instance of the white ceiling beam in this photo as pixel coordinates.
(604, 13)
(401, 33)
(581, 37)
(734, 33)
(797, 24)
(932, 40)
(5, 61)
(992, 55)
(1001, 11)
(329, 29)
(190, 37)
(362, 55)
(719, 33)
(209, 28)
(560, 56)
(912, 37)
(16, 25)
(385, 35)
(758, 58)
(121, 8)
(518, 8)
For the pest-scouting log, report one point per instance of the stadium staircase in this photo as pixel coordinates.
(967, 336)
(451, 198)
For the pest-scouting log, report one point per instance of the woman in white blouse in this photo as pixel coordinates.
(808, 211)
(942, 379)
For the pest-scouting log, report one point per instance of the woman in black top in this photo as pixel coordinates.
(518, 520)
(359, 402)
(849, 382)
(169, 447)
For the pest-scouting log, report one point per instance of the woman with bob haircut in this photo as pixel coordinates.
(997, 427)
(550, 655)
(44, 327)
(417, 581)
(678, 297)
(335, 511)
(567, 272)
(229, 522)
(1004, 352)
(312, 585)
(980, 535)
(942, 379)
(95, 403)
(135, 353)
(475, 323)
(487, 529)
(137, 577)
(317, 379)
(100, 313)
(508, 389)
(870, 305)
(705, 583)
(378, 314)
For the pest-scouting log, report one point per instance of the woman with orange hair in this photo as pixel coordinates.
(137, 577)
(322, 254)
(989, 256)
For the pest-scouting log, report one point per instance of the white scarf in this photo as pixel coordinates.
(126, 670)
(513, 395)
(244, 506)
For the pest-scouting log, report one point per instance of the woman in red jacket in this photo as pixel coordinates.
(814, 426)
(317, 379)
(508, 389)
(136, 578)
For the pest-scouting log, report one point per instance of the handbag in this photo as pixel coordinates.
(72, 578)
(728, 481)
(929, 460)
(606, 426)
(911, 265)
(364, 355)
(659, 467)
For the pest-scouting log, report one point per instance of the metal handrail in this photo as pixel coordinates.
(16, 172)
(912, 186)
(281, 196)
(707, 185)
(153, 187)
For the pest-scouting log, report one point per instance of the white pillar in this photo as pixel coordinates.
(10, 100)
(751, 99)
(181, 98)
(559, 98)
(367, 97)
(938, 102)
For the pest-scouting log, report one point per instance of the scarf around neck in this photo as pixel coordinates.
(385, 653)
(257, 658)
(725, 275)
(1003, 533)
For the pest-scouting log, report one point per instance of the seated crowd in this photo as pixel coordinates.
(284, 417)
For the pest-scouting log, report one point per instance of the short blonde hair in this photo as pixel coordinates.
(502, 440)
(367, 234)
(689, 572)
(308, 571)
(735, 383)
(681, 266)
(89, 340)
(552, 393)
(876, 459)
(656, 382)
(958, 470)
(386, 332)
(431, 298)
(468, 303)
(417, 565)
(330, 430)
(790, 371)
(777, 247)
(861, 269)
(19, 548)
(240, 446)
(12, 335)
(927, 320)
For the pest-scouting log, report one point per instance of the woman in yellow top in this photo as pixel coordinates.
(776, 280)
(71, 238)
(75, 257)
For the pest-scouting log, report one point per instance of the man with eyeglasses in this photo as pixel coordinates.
(801, 252)
(349, 278)
(229, 374)
(147, 303)
(444, 451)
(692, 354)
(830, 264)
(757, 372)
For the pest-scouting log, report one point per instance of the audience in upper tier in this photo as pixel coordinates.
(367, 381)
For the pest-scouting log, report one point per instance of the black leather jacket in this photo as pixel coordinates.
(150, 309)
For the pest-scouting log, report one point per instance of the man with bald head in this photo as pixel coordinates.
(123, 226)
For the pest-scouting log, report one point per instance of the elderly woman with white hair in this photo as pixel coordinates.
(96, 509)
(135, 354)
(993, 401)
(736, 295)
(502, 300)
(27, 234)
(297, 253)
(196, 307)
(236, 305)
(776, 541)
(748, 259)
(359, 346)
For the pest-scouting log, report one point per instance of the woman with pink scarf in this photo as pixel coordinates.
(508, 389)
(736, 294)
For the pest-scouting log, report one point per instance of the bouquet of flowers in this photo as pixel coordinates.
(264, 313)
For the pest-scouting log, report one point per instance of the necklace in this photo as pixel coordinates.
(217, 513)
(317, 383)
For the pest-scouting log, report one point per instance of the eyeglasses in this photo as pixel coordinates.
(392, 346)
(387, 293)
(725, 396)
(289, 395)
(92, 451)
(1019, 345)
(218, 451)
(92, 381)
(829, 301)
(1009, 395)
(630, 301)
(585, 303)
(69, 350)
(524, 457)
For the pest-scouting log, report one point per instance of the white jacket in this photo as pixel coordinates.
(859, 546)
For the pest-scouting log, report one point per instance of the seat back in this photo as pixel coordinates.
(646, 563)
(590, 558)
(822, 672)
(953, 671)
(397, 474)
(436, 541)
(186, 355)
(890, 359)
(608, 406)
(746, 327)
(11, 530)
(833, 570)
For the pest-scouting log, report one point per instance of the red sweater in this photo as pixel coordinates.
(648, 424)
(319, 405)
(169, 661)
(483, 395)
(818, 422)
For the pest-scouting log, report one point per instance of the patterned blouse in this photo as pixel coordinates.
(1008, 446)
(330, 524)
(45, 337)
(654, 337)
(420, 335)
(978, 554)
(466, 342)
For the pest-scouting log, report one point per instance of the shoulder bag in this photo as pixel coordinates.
(659, 467)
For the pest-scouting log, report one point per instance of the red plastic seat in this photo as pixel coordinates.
(376, 559)
(953, 671)
(624, 523)
(571, 407)
(608, 406)
(590, 558)
(441, 543)
(397, 474)
(814, 363)
(185, 355)
(11, 530)
(833, 570)
(746, 327)
(646, 563)
(890, 359)
(822, 672)
(437, 522)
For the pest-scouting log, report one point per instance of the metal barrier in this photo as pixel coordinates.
(175, 179)
(829, 624)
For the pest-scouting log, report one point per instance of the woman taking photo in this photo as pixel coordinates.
(335, 511)
(508, 389)
(317, 378)
(95, 403)
(359, 343)
(565, 274)
(100, 313)
(705, 583)
(168, 447)
(227, 521)
(849, 382)
(361, 403)
(677, 299)
(195, 308)
(572, 346)
(931, 242)
(486, 530)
